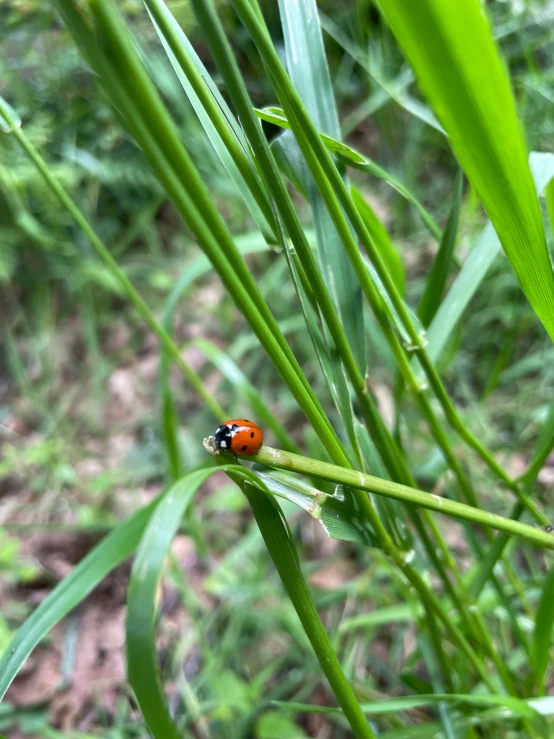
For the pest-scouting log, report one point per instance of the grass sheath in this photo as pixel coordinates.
(342, 476)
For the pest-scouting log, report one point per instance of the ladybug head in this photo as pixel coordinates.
(222, 437)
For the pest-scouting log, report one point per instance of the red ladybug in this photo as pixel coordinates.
(239, 436)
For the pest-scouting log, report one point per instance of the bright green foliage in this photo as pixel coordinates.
(451, 49)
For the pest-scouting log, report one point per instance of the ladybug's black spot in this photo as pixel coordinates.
(251, 434)
(244, 448)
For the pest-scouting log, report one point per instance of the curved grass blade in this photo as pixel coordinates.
(542, 635)
(91, 570)
(434, 288)
(451, 49)
(141, 644)
(141, 603)
(308, 70)
(283, 553)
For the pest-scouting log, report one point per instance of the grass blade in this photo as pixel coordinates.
(338, 514)
(392, 705)
(470, 91)
(141, 604)
(542, 636)
(91, 570)
(475, 269)
(382, 240)
(307, 67)
(215, 117)
(371, 484)
(434, 289)
(283, 553)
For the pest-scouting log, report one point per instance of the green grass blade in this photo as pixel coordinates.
(371, 484)
(466, 284)
(379, 234)
(214, 118)
(392, 705)
(542, 635)
(141, 604)
(436, 282)
(91, 570)
(405, 613)
(170, 427)
(543, 448)
(283, 553)
(308, 70)
(475, 269)
(339, 514)
(451, 49)
(307, 63)
(171, 28)
(489, 559)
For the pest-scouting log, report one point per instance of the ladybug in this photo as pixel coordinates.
(239, 436)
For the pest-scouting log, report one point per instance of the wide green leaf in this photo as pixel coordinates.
(451, 49)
